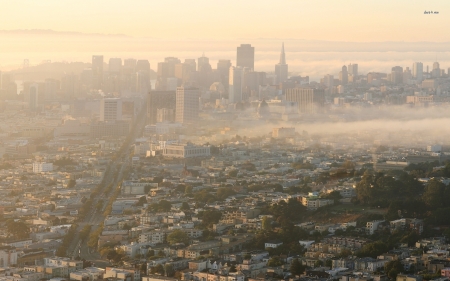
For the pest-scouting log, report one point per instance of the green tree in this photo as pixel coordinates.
(434, 194)
(164, 205)
(159, 269)
(178, 236)
(296, 267)
(188, 189)
(18, 229)
(224, 192)
(266, 223)
(142, 201)
(168, 269)
(210, 217)
(274, 262)
(318, 263)
(185, 206)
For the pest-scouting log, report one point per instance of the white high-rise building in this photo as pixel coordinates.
(187, 105)
(111, 109)
(417, 71)
(235, 84)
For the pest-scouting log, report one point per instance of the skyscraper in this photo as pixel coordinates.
(143, 76)
(223, 67)
(235, 84)
(115, 65)
(353, 69)
(245, 56)
(436, 72)
(129, 75)
(281, 69)
(187, 105)
(417, 71)
(343, 76)
(328, 80)
(110, 109)
(204, 72)
(97, 72)
(33, 96)
(397, 75)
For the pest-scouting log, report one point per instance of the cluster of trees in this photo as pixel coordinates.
(178, 236)
(71, 183)
(161, 206)
(381, 189)
(166, 270)
(205, 196)
(427, 169)
(93, 237)
(64, 161)
(68, 239)
(84, 233)
(113, 198)
(108, 251)
(209, 217)
(84, 210)
(406, 196)
(224, 192)
(17, 229)
(142, 200)
(291, 211)
(301, 165)
(385, 241)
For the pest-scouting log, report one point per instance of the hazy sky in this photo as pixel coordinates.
(344, 20)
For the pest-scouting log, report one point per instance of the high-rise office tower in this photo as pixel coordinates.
(165, 70)
(33, 96)
(115, 65)
(436, 72)
(353, 69)
(397, 75)
(182, 71)
(187, 105)
(160, 100)
(142, 69)
(245, 56)
(343, 76)
(143, 65)
(417, 71)
(192, 63)
(281, 69)
(407, 75)
(113, 79)
(110, 109)
(328, 80)
(308, 100)
(235, 84)
(97, 72)
(223, 67)
(204, 72)
(251, 80)
(129, 65)
(128, 82)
